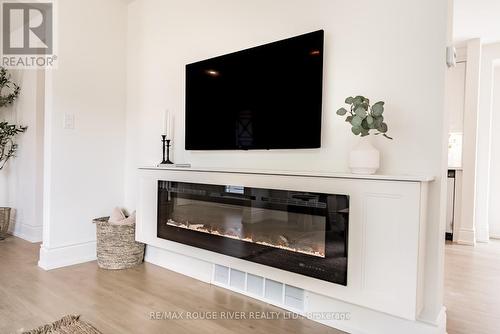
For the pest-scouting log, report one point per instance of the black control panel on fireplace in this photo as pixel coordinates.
(301, 232)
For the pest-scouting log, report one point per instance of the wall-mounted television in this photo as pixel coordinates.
(266, 97)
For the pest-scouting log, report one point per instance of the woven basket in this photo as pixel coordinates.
(4, 221)
(116, 245)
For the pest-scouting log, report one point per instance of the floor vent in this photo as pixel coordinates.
(273, 292)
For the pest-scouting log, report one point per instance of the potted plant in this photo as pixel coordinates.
(9, 91)
(364, 119)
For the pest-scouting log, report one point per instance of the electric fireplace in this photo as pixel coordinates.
(301, 232)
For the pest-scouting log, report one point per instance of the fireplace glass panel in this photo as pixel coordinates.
(302, 232)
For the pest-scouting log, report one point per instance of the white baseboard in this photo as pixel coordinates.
(179, 263)
(28, 232)
(52, 258)
(362, 321)
(466, 237)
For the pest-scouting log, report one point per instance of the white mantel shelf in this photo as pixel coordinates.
(378, 177)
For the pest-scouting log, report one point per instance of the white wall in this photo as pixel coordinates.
(84, 166)
(20, 180)
(455, 96)
(383, 52)
(166, 35)
(494, 214)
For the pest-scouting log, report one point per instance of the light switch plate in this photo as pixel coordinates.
(69, 121)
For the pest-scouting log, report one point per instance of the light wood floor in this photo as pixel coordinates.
(121, 301)
(472, 288)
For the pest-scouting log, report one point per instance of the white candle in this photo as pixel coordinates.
(170, 127)
(165, 122)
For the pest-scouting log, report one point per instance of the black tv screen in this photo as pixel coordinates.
(266, 97)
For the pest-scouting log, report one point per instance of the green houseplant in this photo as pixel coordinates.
(9, 92)
(364, 119)
(8, 147)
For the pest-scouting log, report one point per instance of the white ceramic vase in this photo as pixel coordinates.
(364, 158)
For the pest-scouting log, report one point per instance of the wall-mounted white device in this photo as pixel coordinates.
(451, 56)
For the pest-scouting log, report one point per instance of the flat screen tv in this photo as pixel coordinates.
(266, 97)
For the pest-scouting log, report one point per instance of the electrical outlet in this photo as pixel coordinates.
(69, 122)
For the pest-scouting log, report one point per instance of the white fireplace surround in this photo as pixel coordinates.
(386, 244)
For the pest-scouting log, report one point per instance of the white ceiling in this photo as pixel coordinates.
(476, 18)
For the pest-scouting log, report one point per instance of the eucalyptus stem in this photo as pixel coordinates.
(365, 117)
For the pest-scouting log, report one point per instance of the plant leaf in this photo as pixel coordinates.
(377, 121)
(382, 128)
(356, 130)
(348, 119)
(365, 125)
(358, 100)
(369, 120)
(360, 111)
(349, 100)
(378, 109)
(342, 111)
(356, 121)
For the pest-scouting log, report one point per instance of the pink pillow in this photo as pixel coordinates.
(117, 215)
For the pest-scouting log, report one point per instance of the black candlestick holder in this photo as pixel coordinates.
(166, 148)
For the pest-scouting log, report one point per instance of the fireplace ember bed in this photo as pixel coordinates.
(301, 232)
